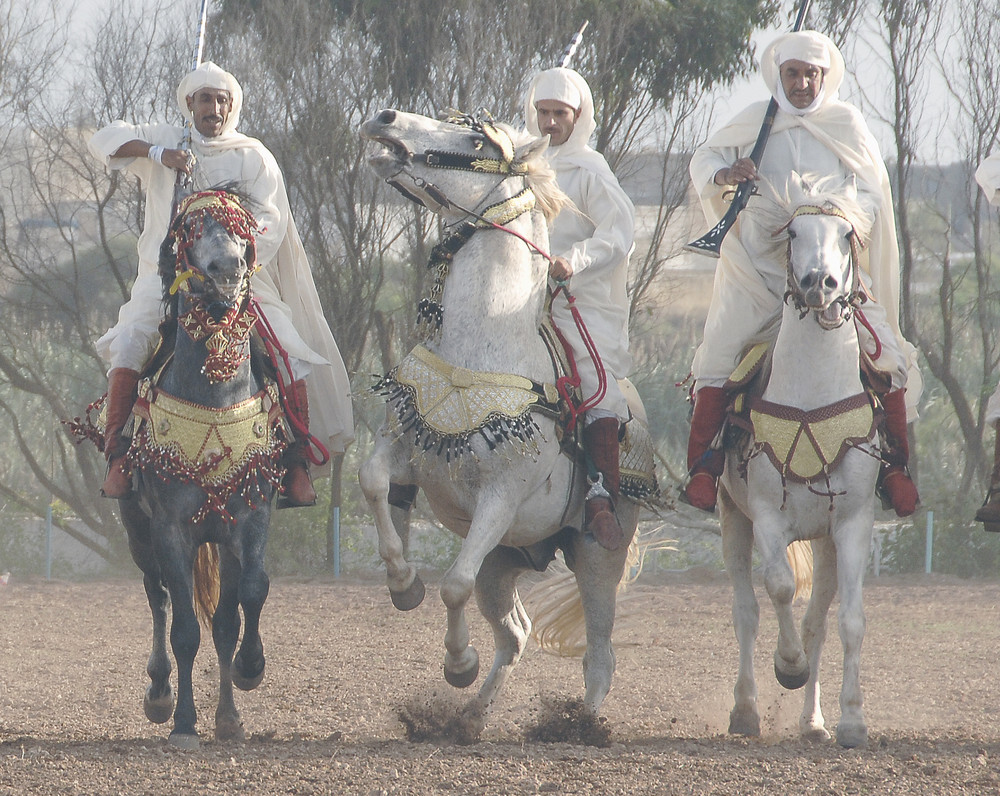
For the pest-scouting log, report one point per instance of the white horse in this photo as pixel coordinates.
(809, 471)
(504, 485)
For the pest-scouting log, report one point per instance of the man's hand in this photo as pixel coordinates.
(178, 160)
(560, 269)
(741, 171)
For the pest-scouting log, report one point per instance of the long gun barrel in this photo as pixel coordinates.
(711, 242)
(182, 180)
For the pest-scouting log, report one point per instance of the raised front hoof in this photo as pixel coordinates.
(791, 679)
(158, 709)
(184, 740)
(852, 736)
(229, 730)
(246, 677)
(410, 597)
(465, 677)
(744, 722)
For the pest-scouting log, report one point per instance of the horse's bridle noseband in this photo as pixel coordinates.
(857, 294)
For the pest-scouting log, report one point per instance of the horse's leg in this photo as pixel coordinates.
(405, 586)
(493, 516)
(176, 560)
(791, 667)
(853, 549)
(158, 702)
(737, 551)
(598, 572)
(248, 665)
(500, 605)
(225, 633)
(811, 723)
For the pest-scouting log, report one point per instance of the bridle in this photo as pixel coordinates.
(223, 324)
(481, 215)
(849, 302)
(188, 225)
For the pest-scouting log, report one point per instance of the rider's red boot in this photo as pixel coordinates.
(705, 465)
(600, 441)
(297, 487)
(895, 479)
(989, 512)
(122, 392)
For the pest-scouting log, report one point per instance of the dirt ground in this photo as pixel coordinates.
(342, 663)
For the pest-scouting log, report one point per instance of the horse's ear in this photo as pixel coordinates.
(531, 150)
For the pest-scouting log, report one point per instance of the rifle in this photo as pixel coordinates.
(711, 242)
(570, 50)
(183, 181)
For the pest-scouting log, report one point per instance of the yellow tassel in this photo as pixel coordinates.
(183, 277)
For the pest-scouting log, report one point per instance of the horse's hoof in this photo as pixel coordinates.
(744, 722)
(243, 680)
(229, 730)
(464, 678)
(852, 736)
(410, 597)
(184, 740)
(791, 679)
(158, 709)
(815, 734)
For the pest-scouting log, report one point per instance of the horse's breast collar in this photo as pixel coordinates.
(227, 451)
(806, 445)
(446, 405)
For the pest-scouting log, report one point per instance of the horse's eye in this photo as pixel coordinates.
(791, 234)
(477, 142)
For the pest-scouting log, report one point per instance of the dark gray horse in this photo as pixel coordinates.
(206, 464)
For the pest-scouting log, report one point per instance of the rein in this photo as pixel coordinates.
(857, 295)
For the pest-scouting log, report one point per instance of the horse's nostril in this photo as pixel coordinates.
(830, 283)
(388, 116)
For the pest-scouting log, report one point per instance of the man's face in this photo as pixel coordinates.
(210, 108)
(556, 120)
(801, 81)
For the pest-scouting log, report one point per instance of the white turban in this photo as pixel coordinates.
(556, 84)
(809, 47)
(568, 86)
(208, 75)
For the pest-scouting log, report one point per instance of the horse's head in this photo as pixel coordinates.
(824, 237)
(463, 163)
(212, 238)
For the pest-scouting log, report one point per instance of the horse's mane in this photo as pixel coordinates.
(813, 189)
(549, 197)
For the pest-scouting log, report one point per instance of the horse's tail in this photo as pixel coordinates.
(558, 624)
(206, 583)
(800, 556)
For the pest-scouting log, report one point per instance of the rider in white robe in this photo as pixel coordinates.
(814, 135)
(591, 245)
(988, 177)
(284, 285)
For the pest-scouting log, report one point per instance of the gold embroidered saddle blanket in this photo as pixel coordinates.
(446, 406)
(232, 450)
